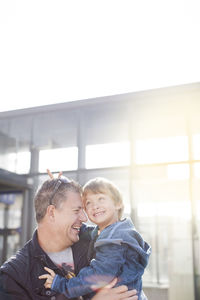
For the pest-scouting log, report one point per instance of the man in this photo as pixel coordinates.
(60, 242)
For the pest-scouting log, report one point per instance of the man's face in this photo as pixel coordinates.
(68, 219)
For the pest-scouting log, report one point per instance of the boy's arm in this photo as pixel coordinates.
(106, 266)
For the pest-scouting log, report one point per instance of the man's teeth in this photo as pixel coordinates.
(77, 228)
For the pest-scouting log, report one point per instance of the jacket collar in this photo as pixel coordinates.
(79, 250)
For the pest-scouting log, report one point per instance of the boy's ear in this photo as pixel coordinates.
(118, 206)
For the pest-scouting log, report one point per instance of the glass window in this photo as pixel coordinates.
(13, 215)
(61, 159)
(13, 244)
(196, 146)
(57, 129)
(163, 206)
(10, 223)
(1, 213)
(18, 162)
(105, 124)
(178, 172)
(107, 155)
(171, 149)
(196, 170)
(15, 210)
(196, 212)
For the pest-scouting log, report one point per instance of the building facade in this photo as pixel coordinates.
(148, 143)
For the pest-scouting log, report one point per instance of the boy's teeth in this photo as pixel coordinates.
(99, 213)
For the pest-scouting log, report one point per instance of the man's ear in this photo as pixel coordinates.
(51, 212)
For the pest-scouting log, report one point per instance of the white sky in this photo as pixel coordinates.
(58, 50)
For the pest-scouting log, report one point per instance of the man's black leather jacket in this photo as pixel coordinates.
(19, 275)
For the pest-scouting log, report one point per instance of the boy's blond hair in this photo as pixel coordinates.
(104, 186)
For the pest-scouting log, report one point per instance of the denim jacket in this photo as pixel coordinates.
(120, 252)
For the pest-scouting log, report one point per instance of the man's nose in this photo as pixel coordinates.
(83, 216)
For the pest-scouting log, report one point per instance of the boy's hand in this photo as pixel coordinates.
(49, 277)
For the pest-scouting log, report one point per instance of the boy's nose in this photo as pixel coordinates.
(95, 206)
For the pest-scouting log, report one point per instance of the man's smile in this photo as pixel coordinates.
(77, 228)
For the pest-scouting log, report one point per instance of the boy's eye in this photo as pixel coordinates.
(101, 198)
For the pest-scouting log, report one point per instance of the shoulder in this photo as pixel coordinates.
(123, 231)
(13, 274)
(127, 231)
(113, 234)
(17, 263)
(117, 229)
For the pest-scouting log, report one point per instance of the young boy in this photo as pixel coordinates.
(119, 250)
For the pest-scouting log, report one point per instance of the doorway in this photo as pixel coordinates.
(14, 199)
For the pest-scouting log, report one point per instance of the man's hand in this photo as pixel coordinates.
(49, 278)
(118, 293)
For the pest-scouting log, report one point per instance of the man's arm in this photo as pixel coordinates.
(101, 271)
(118, 293)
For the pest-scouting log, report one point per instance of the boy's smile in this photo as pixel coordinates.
(100, 213)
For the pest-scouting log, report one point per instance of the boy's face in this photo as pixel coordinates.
(101, 209)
